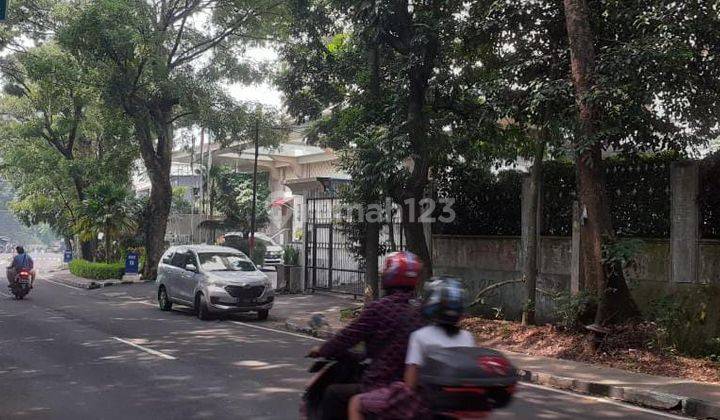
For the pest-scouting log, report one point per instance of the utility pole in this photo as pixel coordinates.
(254, 198)
(192, 191)
(202, 174)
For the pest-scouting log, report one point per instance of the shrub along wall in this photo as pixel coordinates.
(484, 203)
(710, 197)
(97, 271)
(489, 204)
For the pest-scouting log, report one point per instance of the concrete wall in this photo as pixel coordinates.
(481, 261)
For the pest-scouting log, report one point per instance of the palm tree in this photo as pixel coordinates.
(109, 209)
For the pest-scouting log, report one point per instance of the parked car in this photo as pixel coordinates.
(212, 280)
(273, 251)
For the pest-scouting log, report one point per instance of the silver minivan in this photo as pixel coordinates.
(212, 280)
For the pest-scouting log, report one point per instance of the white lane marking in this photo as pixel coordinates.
(145, 349)
(606, 401)
(62, 284)
(307, 337)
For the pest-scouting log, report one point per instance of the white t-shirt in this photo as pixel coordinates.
(432, 336)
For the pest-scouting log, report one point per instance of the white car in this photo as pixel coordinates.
(273, 251)
(212, 280)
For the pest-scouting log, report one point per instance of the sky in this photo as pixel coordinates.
(263, 93)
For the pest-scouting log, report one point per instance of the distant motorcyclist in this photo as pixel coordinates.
(384, 326)
(21, 261)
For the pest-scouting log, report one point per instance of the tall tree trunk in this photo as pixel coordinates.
(614, 300)
(372, 245)
(417, 184)
(157, 156)
(415, 234)
(530, 263)
(87, 248)
(108, 245)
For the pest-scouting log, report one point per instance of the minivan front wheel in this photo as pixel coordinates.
(263, 314)
(164, 300)
(201, 307)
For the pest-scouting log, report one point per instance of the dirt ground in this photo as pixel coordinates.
(627, 347)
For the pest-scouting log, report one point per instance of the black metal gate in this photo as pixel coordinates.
(330, 263)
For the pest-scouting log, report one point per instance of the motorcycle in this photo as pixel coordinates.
(345, 370)
(456, 383)
(20, 286)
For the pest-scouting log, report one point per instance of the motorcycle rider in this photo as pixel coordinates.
(384, 326)
(443, 306)
(21, 261)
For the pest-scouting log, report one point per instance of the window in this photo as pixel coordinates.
(178, 260)
(167, 258)
(190, 259)
(225, 262)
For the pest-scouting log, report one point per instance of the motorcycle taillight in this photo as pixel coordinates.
(494, 365)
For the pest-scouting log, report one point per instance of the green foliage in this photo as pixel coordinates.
(108, 208)
(573, 312)
(57, 137)
(180, 204)
(688, 321)
(709, 197)
(234, 193)
(621, 253)
(485, 203)
(97, 271)
(489, 204)
(291, 256)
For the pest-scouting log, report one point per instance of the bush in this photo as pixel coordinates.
(688, 321)
(97, 271)
(291, 256)
(575, 311)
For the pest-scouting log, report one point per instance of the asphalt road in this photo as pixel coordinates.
(69, 353)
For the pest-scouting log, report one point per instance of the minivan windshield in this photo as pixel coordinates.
(225, 262)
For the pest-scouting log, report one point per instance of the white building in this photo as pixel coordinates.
(294, 168)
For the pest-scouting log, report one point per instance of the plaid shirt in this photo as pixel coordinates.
(384, 326)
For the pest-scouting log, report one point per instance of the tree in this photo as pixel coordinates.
(385, 70)
(233, 192)
(163, 61)
(180, 204)
(51, 99)
(650, 107)
(513, 56)
(108, 209)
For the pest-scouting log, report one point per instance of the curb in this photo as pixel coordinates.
(652, 399)
(637, 396)
(93, 284)
(293, 327)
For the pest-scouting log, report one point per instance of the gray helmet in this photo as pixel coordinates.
(444, 301)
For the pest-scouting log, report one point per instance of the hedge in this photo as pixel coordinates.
(97, 271)
(638, 194)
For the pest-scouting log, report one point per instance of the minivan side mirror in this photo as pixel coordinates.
(191, 267)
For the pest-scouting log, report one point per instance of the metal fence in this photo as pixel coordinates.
(331, 254)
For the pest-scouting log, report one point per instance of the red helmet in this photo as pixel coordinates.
(402, 269)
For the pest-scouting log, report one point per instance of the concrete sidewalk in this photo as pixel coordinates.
(63, 275)
(694, 399)
(315, 314)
